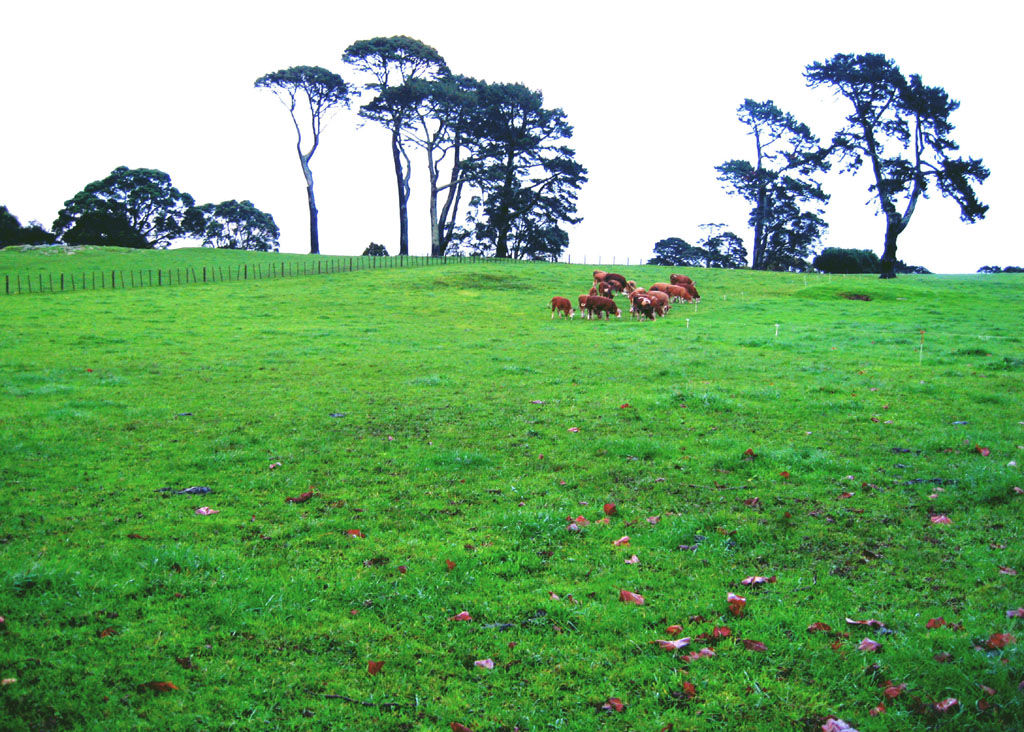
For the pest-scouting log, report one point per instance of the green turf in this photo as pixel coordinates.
(432, 410)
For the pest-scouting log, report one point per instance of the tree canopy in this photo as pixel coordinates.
(528, 177)
(393, 64)
(234, 225)
(780, 185)
(311, 94)
(130, 207)
(901, 128)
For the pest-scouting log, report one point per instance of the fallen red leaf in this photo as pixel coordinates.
(134, 536)
(185, 663)
(832, 724)
(402, 569)
(652, 520)
(736, 603)
(784, 474)
(620, 542)
(1000, 640)
(1008, 570)
(702, 653)
(356, 533)
(846, 494)
(614, 704)
(106, 632)
(946, 704)
(721, 631)
(674, 629)
(892, 691)
(574, 429)
(875, 711)
(869, 645)
(301, 498)
(484, 663)
(673, 645)
(627, 596)
(943, 657)
(752, 502)
(461, 616)
(159, 687)
(756, 580)
(609, 509)
(1018, 613)
(206, 511)
(457, 727)
(689, 689)
(749, 454)
(449, 564)
(753, 645)
(633, 560)
(623, 406)
(983, 451)
(373, 667)
(819, 627)
(935, 623)
(940, 518)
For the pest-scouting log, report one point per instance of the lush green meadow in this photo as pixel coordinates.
(450, 432)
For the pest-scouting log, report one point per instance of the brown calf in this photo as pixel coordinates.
(562, 306)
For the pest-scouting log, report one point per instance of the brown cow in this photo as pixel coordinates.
(599, 276)
(658, 287)
(603, 289)
(583, 303)
(678, 279)
(562, 306)
(660, 300)
(601, 305)
(678, 293)
(693, 291)
(616, 280)
(643, 307)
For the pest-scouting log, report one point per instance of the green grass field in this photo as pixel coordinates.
(450, 432)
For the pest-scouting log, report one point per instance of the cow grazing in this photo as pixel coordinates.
(660, 300)
(602, 306)
(562, 306)
(658, 287)
(643, 307)
(599, 276)
(583, 303)
(630, 286)
(693, 291)
(616, 280)
(678, 279)
(678, 293)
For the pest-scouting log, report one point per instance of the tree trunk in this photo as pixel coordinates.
(887, 264)
(402, 180)
(314, 229)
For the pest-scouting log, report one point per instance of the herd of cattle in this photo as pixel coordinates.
(653, 302)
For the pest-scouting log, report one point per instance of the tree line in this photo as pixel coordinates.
(503, 181)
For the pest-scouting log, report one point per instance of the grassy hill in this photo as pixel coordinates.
(452, 436)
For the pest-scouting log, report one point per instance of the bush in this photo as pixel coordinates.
(847, 261)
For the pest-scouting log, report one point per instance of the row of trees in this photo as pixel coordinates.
(495, 144)
(899, 127)
(140, 208)
(495, 150)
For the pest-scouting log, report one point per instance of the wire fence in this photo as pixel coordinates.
(120, 279)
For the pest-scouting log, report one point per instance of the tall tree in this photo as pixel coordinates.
(674, 252)
(393, 63)
(779, 184)
(234, 225)
(521, 165)
(902, 128)
(723, 249)
(311, 94)
(444, 111)
(138, 200)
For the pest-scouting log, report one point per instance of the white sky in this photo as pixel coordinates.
(650, 87)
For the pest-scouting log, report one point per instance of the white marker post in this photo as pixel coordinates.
(920, 353)
(776, 330)
(687, 323)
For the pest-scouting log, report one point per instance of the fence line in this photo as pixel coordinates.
(26, 284)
